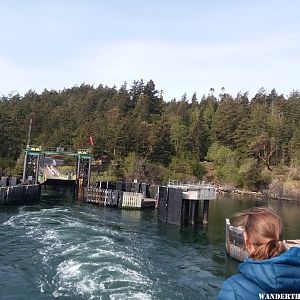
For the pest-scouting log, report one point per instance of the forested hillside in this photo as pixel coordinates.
(137, 134)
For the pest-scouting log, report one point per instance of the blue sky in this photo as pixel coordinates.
(184, 46)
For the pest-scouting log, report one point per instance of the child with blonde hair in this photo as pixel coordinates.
(270, 268)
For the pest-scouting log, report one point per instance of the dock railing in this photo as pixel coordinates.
(194, 190)
(189, 184)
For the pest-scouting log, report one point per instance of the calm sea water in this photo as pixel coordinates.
(62, 249)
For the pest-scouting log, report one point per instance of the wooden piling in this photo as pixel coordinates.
(162, 203)
(174, 206)
(192, 215)
(205, 212)
(3, 195)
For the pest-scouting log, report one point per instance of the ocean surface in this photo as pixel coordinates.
(63, 249)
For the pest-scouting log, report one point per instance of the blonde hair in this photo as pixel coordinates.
(263, 227)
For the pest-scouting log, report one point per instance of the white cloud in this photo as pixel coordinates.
(186, 68)
(175, 68)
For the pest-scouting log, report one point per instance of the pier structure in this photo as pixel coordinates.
(36, 172)
(185, 203)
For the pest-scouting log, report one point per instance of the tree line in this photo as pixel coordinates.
(139, 135)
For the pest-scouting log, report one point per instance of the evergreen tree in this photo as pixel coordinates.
(198, 137)
(155, 100)
(136, 90)
(163, 148)
(294, 146)
(227, 118)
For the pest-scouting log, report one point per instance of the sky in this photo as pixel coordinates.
(183, 46)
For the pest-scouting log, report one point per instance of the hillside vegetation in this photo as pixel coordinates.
(138, 135)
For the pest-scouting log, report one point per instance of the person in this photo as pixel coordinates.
(271, 270)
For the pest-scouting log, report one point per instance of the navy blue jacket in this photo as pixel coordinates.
(279, 274)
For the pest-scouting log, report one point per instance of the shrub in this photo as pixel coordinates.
(185, 167)
(226, 162)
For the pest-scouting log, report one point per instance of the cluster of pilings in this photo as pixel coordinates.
(181, 206)
(121, 186)
(20, 194)
(102, 197)
(114, 198)
(119, 194)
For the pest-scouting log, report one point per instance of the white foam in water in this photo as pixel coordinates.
(89, 278)
(37, 227)
(71, 223)
(125, 275)
(87, 261)
(69, 280)
(68, 269)
(72, 249)
(26, 218)
(130, 296)
(52, 244)
(56, 294)
(10, 222)
(50, 236)
(87, 286)
(102, 253)
(41, 286)
(17, 220)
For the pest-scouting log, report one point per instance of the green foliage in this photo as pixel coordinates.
(226, 120)
(226, 161)
(66, 170)
(18, 169)
(163, 147)
(221, 154)
(156, 173)
(263, 147)
(198, 135)
(104, 176)
(294, 145)
(266, 177)
(137, 167)
(251, 176)
(134, 167)
(184, 166)
(242, 172)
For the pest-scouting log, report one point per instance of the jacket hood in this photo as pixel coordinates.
(277, 274)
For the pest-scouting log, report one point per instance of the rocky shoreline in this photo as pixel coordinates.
(235, 191)
(277, 190)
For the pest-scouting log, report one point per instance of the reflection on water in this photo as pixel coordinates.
(64, 249)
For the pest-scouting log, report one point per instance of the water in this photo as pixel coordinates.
(62, 249)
